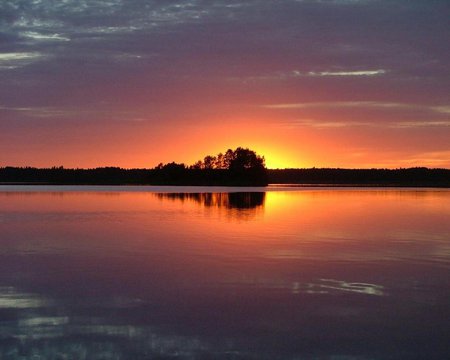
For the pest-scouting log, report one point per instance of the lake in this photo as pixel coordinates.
(223, 273)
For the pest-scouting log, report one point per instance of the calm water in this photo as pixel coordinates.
(130, 273)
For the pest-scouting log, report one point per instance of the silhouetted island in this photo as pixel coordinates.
(239, 167)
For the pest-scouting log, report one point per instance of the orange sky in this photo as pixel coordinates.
(290, 145)
(355, 84)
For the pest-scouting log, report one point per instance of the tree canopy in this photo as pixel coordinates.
(240, 167)
(238, 159)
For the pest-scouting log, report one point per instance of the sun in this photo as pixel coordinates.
(281, 159)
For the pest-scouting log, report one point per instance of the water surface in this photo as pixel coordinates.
(134, 273)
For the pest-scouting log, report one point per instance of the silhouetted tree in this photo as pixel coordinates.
(209, 162)
(241, 166)
(219, 163)
(241, 158)
(246, 167)
(227, 158)
(197, 166)
(246, 159)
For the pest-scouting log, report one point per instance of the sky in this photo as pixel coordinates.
(132, 83)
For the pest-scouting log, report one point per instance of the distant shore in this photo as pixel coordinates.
(410, 177)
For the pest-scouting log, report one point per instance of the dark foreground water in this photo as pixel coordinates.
(127, 273)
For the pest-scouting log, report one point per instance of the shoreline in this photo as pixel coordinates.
(50, 187)
(326, 177)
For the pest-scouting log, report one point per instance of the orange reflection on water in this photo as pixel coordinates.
(359, 224)
(308, 223)
(129, 265)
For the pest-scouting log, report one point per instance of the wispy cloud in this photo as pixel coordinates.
(442, 109)
(338, 104)
(70, 112)
(13, 60)
(431, 158)
(418, 124)
(335, 124)
(445, 109)
(45, 112)
(17, 56)
(44, 37)
(346, 73)
(321, 124)
(288, 75)
(337, 2)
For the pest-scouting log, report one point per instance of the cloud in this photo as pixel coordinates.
(67, 112)
(101, 16)
(255, 42)
(366, 114)
(321, 124)
(445, 109)
(432, 158)
(44, 37)
(5, 57)
(346, 73)
(339, 104)
(14, 60)
(336, 2)
(442, 109)
(419, 124)
(288, 75)
(46, 112)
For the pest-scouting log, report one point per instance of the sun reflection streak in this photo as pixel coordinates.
(10, 298)
(338, 285)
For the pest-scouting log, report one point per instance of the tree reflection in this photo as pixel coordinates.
(237, 200)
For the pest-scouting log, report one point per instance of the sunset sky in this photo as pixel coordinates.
(131, 83)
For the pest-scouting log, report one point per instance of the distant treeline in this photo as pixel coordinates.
(418, 176)
(172, 174)
(62, 176)
(239, 167)
(179, 174)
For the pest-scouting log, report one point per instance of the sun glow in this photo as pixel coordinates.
(280, 159)
(277, 162)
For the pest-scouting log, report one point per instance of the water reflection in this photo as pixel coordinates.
(325, 286)
(314, 274)
(239, 206)
(230, 200)
(10, 298)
